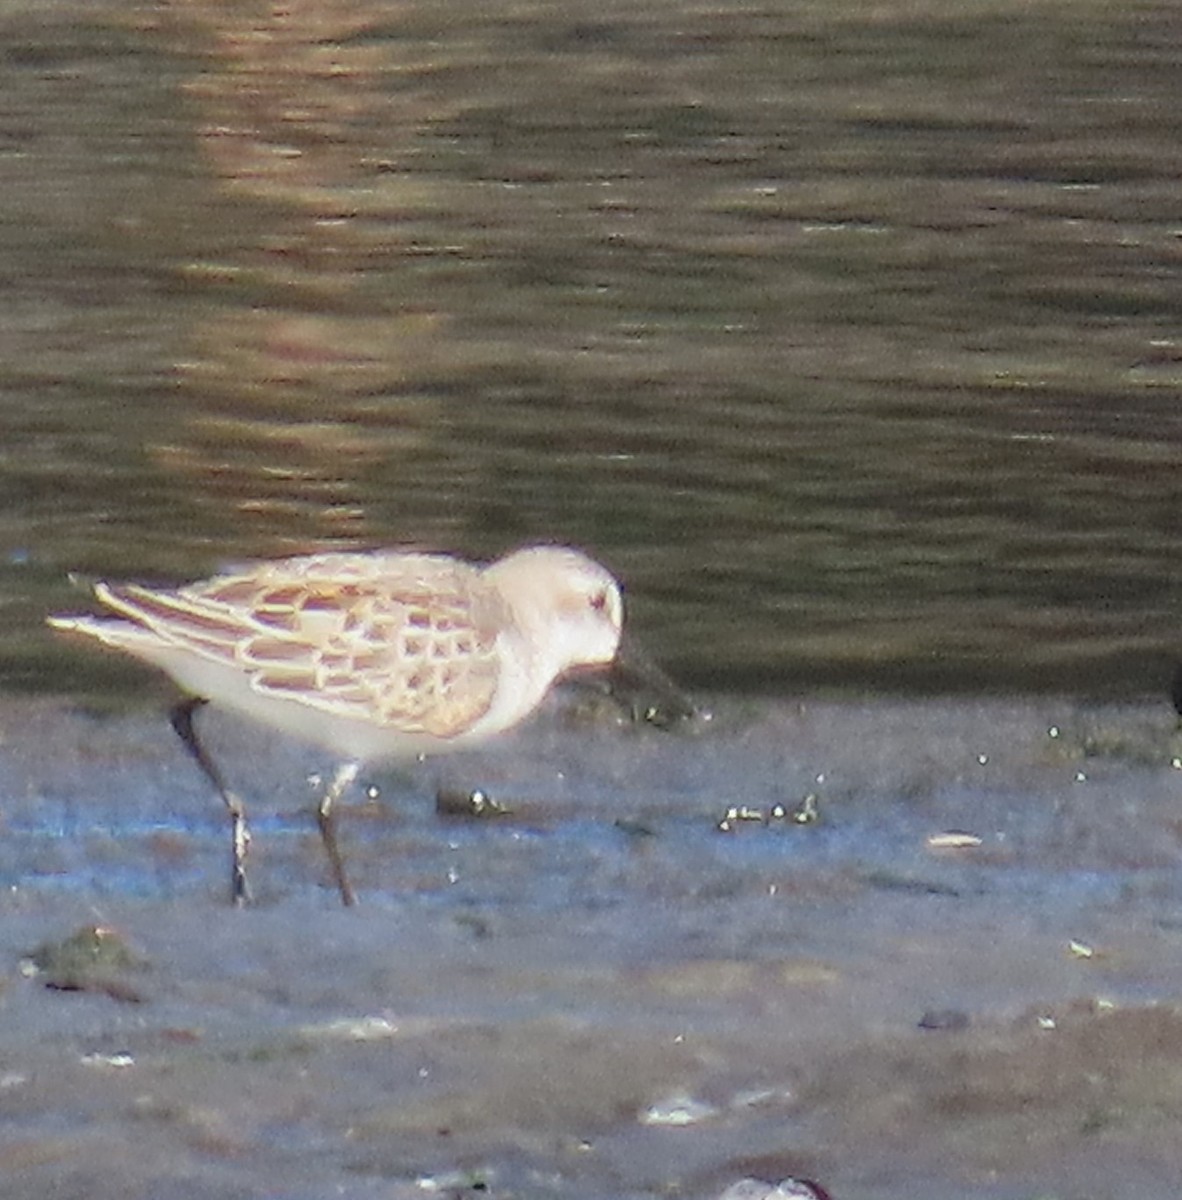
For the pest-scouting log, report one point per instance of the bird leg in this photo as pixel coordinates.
(182, 721)
(326, 818)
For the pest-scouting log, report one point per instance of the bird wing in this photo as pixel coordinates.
(402, 641)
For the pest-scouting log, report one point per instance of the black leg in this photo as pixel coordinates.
(326, 818)
(182, 721)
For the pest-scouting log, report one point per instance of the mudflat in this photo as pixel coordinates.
(902, 948)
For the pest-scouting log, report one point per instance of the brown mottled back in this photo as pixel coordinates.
(404, 641)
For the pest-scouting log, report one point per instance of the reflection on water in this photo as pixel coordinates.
(847, 336)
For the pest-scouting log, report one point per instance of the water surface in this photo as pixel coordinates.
(846, 335)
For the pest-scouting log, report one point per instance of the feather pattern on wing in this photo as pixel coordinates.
(405, 641)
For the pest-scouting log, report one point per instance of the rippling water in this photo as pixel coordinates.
(846, 334)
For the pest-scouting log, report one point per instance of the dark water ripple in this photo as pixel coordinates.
(848, 337)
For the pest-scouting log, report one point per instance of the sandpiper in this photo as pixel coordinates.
(373, 656)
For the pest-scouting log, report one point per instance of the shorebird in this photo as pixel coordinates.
(373, 656)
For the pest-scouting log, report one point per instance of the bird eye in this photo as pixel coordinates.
(599, 600)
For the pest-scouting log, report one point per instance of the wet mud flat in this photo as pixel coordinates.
(904, 948)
